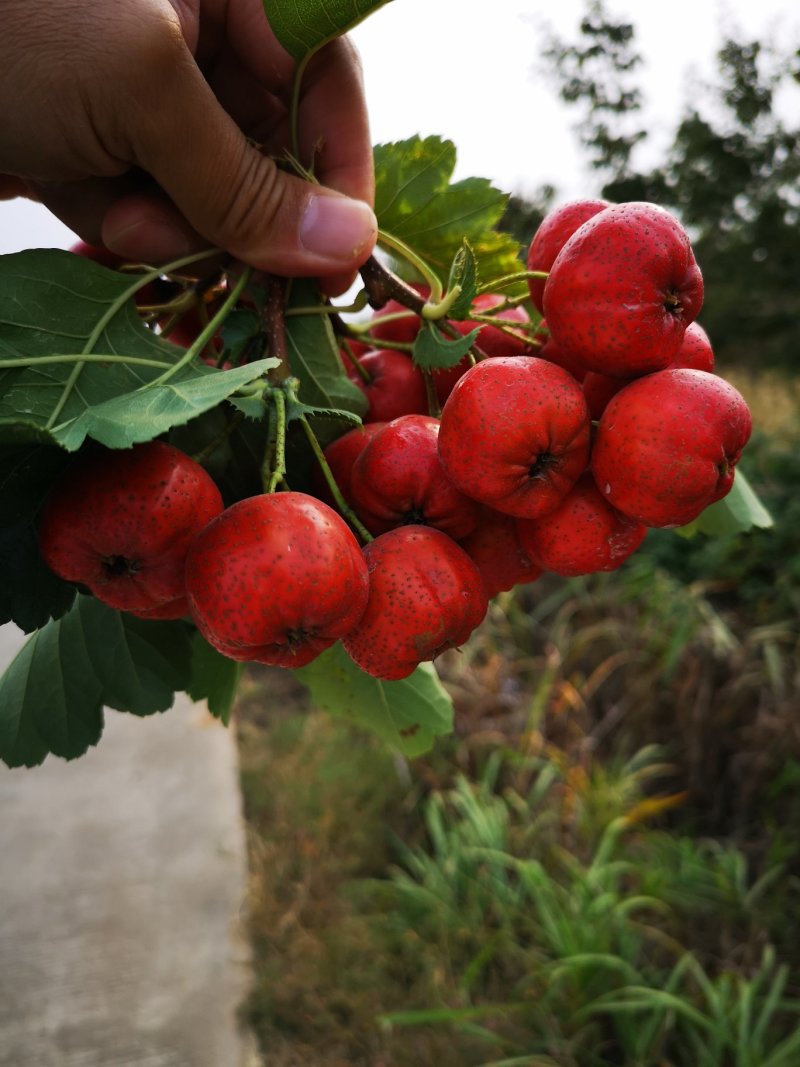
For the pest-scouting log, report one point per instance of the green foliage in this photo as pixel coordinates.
(314, 355)
(77, 362)
(408, 714)
(526, 916)
(52, 696)
(434, 351)
(416, 202)
(303, 27)
(214, 678)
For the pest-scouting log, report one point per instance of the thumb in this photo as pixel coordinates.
(237, 198)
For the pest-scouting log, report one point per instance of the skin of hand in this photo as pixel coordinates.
(136, 123)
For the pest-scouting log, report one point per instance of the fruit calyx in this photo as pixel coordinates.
(121, 566)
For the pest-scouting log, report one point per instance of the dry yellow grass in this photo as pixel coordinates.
(773, 398)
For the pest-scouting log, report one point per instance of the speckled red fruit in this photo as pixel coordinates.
(556, 229)
(398, 480)
(583, 535)
(515, 434)
(667, 445)
(426, 595)
(494, 547)
(276, 579)
(340, 456)
(396, 386)
(695, 353)
(554, 354)
(120, 522)
(623, 289)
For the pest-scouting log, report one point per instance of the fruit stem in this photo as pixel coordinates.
(273, 321)
(419, 264)
(273, 470)
(360, 370)
(432, 311)
(345, 509)
(294, 106)
(511, 279)
(434, 408)
(383, 285)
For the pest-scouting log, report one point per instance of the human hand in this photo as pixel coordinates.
(136, 123)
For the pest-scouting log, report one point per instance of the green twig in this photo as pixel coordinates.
(273, 470)
(83, 357)
(345, 509)
(419, 264)
(208, 331)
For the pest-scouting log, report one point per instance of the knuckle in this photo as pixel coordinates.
(250, 203)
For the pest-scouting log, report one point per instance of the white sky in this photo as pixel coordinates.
(468, 71)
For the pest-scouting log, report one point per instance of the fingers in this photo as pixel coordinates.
(230, 193)
(334, 123)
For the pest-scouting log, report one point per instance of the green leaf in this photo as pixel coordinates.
(215, 678)
(296, 409)
(739, 511)
(57, 308)
(302, 26)
(464, 273)
(432, 350)
(408, 714)
(30, 594)
(314, 355)
(415, 201)
(238, 330)
(53, 693)
(153, 409)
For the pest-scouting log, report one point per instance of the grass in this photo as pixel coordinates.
(599, 868)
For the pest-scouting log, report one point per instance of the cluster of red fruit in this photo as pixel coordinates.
(557, 461)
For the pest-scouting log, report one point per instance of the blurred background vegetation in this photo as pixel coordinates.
(602, 866)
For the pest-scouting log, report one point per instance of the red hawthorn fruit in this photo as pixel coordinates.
(340, 455)
(555, 230)
(398, 480)
(515, 434)
(623, 289)
(583, 535)
(276, 579)
(396, 386)
(495, 548)
(695, 353)
(554, 354)
(120, 522)
(403, 329)
(425, 596)
(667, 445)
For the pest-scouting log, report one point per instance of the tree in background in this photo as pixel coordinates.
(731, 173)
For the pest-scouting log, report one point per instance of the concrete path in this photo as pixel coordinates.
(122, 883)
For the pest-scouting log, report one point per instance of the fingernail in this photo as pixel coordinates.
(337, 228)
